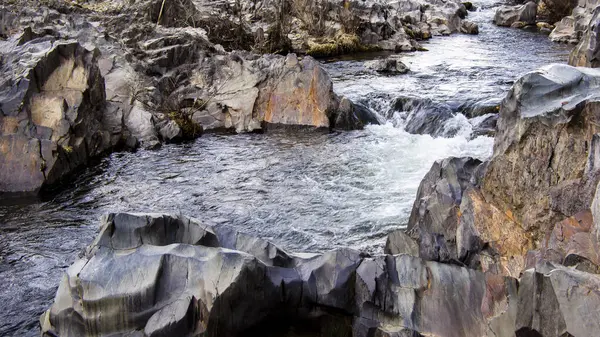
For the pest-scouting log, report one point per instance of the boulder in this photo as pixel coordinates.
(549, 117)
(435, 215)
(388, 65)
(507, 15)
(163, 275)
(469, 27)
(53, 112)
(246, 92)
(353, 116)
(422, 116)
(558, 301)
(587, 51)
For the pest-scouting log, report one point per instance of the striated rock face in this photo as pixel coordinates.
(507, 15)
(571, 28)
(586, 53)
(544, 150)
(558, 301)
(53, 116)
(163, 275)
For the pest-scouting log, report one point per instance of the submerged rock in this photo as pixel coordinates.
(163, 275)
(507, 15)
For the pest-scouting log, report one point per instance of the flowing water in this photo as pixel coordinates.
(303, 190)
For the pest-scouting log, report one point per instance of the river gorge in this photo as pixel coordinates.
(304, 190)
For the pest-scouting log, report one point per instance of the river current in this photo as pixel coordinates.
(308, 191)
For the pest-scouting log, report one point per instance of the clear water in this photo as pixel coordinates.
(305, 191)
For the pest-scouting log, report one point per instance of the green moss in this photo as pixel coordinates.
(409, 32)
(342, 44)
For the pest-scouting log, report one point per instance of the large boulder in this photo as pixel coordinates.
(587, 51)
(251, 92)
(53, 111)
(164, 275)
(544, 166)
(507, 15)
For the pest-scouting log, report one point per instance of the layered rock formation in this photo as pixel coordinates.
(73, 90)
(162, 275)
(53, 112)
(571, 28)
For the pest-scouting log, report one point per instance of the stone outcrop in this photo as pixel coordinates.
(53, 116)
(549, 118)
(164, 275)
(508, 15)
(586, 53)
(570, 29)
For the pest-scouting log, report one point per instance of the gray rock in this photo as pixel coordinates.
(507, 15)
(388, 65)
(352, 116)
(434, 218)
(53, 114)
(164, 275)
(558, 301)
(398, 242)
(587, 51)
(570, 28)
(469, 27)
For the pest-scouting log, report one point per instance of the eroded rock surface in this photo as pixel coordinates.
(164, 275)
(508, 15)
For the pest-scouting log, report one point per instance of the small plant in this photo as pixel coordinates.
(67, 148)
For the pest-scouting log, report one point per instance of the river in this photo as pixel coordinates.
(308, 191)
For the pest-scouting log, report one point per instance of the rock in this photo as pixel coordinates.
(571, 242)
(489, 240)
(140, 123)
(352, 116)
(399, 293)
(558, 301)
(587, 51)
(435, 215)
(164, 275)
(507, 15)
(398, 242)
(469, 6)
(271, 89)
(422, 116)
(388, 65)
(53, 112)
(570, 27)
(548, 117)
(518, 24)
(484, 125)
(469, 27)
